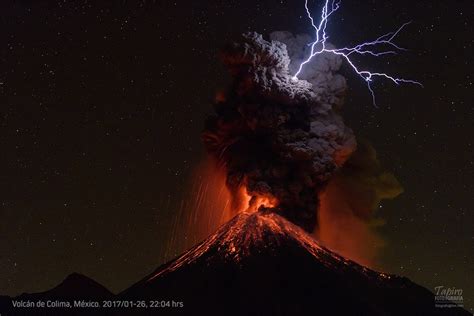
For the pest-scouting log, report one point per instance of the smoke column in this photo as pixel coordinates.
(279, 140)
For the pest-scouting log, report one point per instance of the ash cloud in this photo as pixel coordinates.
(347, 215)
(321, 72)
(279, 138)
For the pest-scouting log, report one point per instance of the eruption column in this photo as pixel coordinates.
(278, 140)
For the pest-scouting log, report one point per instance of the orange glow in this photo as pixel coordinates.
(211, 202)
(220, 97)
(256, 202)
(208, 204)
(343, 232)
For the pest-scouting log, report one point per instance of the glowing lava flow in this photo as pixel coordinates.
(368, 48)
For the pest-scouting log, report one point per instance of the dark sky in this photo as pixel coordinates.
(101, 106)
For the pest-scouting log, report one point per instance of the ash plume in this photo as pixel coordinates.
(322, 72)
(347, 214)
(279, 140)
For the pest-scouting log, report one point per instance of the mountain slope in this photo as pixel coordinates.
(261, 264)
(73, 287)
(257, 264)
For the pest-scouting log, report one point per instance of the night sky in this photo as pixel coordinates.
(101, 107)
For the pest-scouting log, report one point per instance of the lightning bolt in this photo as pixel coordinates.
(371, 48)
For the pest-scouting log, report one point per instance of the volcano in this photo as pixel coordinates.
(257, 264)
(261, 264)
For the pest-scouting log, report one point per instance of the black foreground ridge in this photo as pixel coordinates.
(257, 264)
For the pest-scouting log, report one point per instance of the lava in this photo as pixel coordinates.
(259, 263)
(247, 231)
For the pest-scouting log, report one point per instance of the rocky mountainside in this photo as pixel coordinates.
(257, 264)
(261, 264)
